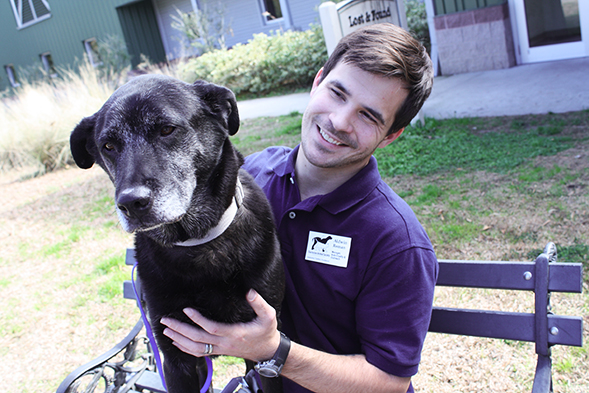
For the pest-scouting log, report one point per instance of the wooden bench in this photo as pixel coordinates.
(130, 369)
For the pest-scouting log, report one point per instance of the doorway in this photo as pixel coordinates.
(141, 32)
(552, 29)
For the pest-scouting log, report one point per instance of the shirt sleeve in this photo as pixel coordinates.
(393, 310)
(253, 164)
(265, 160)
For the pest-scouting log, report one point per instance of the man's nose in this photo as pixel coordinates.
(342, 119)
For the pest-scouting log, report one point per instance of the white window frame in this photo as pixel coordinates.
(48, 65)
(265, 13)
(526, 54)
(17, 9)
(11, 72)
(93, 56)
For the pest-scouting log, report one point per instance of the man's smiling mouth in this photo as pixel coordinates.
(328, 138)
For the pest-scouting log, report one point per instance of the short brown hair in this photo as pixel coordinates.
(390, 51)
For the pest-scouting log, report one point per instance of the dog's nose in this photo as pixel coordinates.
(134, 202)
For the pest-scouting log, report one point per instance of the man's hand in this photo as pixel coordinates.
(256, 340)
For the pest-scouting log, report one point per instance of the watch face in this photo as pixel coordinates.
(267, 372)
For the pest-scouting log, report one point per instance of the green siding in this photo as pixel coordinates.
(71, 22)
(443, 7)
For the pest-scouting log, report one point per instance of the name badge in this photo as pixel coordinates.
(328, 249)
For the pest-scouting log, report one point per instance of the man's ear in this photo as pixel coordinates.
(390, 138)
(317, 80)
(81, 142)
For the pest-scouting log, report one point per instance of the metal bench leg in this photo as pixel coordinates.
(95, 366)
(543, 378)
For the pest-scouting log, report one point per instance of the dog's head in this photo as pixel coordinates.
(159, 139)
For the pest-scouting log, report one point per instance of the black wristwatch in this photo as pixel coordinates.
(271, 368)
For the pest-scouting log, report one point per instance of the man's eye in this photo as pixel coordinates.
(167, 130)
(368, 117)
(337, 93)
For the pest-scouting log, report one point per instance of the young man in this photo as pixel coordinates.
(360, 269)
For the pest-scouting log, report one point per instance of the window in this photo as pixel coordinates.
(48, 65)
(29, 12)
(91, 47)
(12, 75)
(271, 10)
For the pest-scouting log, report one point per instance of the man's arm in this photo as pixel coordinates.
(258, 340)
(322, 372)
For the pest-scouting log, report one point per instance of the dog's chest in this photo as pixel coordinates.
(173, 282)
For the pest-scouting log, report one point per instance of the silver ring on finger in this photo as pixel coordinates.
(208, 349)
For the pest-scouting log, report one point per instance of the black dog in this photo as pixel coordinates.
(165, 146)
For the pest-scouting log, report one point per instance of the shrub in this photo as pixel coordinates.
(267, 63)
(417, 22)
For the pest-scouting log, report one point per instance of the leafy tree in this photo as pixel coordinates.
(204, 29)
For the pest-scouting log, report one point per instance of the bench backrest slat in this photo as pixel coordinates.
(128, 292)
(481, 323)
(564, 277)
(504, 325)
(130, 257)
(570, 330)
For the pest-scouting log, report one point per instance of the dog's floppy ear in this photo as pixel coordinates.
(222, 101)
(81, 141)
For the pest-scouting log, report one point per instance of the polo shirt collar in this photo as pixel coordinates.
(345, 196)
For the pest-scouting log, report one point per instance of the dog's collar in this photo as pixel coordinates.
(224, 222)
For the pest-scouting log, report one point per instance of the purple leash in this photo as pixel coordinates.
(156, 352)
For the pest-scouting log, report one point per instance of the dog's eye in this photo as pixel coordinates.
(109, 146)
(167, 130)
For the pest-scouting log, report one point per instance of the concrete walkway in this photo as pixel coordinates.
(557, 86)
(273, 106)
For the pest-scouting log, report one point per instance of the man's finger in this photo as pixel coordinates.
(263, 310)
(211, 327)
(187, 345)
(177, 328)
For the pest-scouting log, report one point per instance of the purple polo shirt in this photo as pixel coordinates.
(360, 269)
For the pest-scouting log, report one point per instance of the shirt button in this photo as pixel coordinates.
(292, 215)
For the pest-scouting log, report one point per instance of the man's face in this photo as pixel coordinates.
(348, 117)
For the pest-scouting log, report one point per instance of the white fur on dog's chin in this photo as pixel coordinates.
(169, 207)
(132, 229)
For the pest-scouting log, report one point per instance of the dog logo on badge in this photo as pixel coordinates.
(328, 249)
(323, 241)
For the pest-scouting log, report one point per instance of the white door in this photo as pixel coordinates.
(551, 29)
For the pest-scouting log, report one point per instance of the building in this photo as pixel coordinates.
(479, 35)
(57, 33)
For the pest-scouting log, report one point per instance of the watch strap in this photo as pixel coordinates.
(272, 367)
(283, 350)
